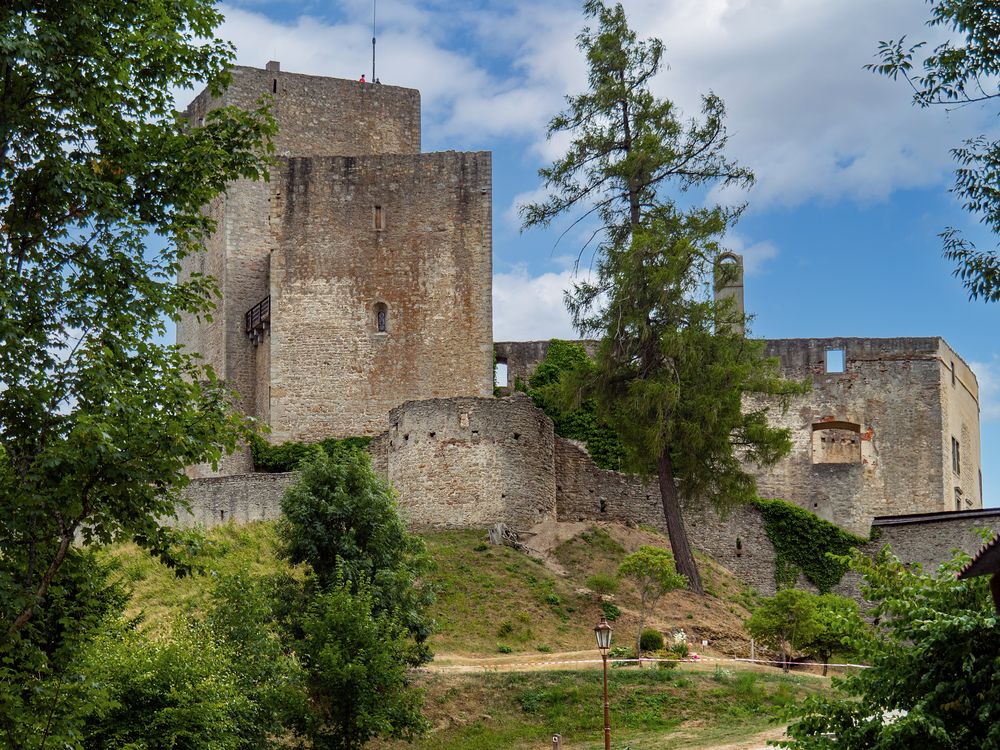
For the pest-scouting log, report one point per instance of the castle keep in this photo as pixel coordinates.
(356, 300)
(359, 277)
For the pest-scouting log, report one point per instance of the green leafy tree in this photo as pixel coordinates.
(243, 624)
(672, 370)
(101, 191)
(173, 692)
(838, 629)
(356, 660)
(651, 569)
(960, 71)
(933, 663)
(341, 518)
(45, 696)
(786, 622)
(361, 620)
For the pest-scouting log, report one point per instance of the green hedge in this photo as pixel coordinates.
(288, 456)
(803, 543)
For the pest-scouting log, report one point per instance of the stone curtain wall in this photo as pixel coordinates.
(472, 462)
(585, 492)
(872, 440)
(240, 498)
(929, 538)
(333, 373)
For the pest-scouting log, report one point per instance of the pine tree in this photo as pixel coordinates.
(673, 366)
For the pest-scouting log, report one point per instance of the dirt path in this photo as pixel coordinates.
(757, 742)
(457, 664)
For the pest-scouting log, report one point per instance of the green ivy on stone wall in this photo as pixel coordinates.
(803, 543)
(288, 456)
(578, 423)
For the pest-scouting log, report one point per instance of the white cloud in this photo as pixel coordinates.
(988, 375)
(802, 111)
(755, 254)
(529, 307)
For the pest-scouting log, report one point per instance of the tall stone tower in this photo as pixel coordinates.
(728, 284)
(359, 276)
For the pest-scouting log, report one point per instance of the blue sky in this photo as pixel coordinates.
(840, 236)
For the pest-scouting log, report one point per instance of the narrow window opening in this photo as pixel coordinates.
(274, 86)
(835, 360)
(500, 374)
(381, 317)
(958, 498)
(379, 219)
(952, 374)
(956, 457)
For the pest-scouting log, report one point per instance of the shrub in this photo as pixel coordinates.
(610, 611)
(603, 583)
(651, 640)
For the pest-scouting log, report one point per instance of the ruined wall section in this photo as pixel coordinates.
(865, 441)
(472, 462)
(240, 498)
(407, 235)
(962, 470)
(523, 357)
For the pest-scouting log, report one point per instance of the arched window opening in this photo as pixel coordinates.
(381, 317)
(836, 443)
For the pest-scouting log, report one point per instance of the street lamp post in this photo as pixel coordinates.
(603, 634)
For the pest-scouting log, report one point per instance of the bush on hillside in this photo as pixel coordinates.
(651, 640)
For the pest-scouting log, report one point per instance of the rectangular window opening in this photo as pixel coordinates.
(952, 374)
(835, 360)
(956, 456)
(500, 374)
(379, 219)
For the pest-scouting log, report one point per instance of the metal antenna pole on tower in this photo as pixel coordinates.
(374, 2)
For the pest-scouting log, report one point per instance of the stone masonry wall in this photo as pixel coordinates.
(240, 498)
(890, 394)
(471, 462)
(872, 440)
(523, 357)
(962, 489)
(333, 373)
(321, 116)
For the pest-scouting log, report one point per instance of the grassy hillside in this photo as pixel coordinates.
(495, 600)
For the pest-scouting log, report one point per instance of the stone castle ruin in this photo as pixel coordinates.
(357, 300)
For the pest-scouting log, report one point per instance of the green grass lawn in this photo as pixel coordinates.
(650, 709)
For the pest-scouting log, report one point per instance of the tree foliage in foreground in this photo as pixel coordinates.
(672, 370)
(934, 656)
(101, 190)
(961, 71)
(361, 620)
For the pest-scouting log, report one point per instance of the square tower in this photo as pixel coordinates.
(359, 276)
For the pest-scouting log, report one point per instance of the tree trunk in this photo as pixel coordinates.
(785, 656)
(683, 557)
(826, 661)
